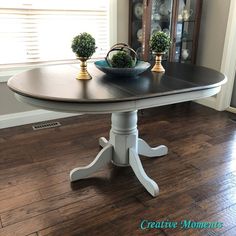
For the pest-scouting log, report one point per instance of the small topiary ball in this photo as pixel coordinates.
(160, 42)
(122, 60)
(83, 45)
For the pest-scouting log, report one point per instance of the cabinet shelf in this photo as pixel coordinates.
(184, 41)
(186, 61)
(162, 21)
(185, 21)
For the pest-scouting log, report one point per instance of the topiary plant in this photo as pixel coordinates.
(160, 42)
(83, 45)
(122, 60)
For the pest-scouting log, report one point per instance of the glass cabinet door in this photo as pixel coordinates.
(178, 18)
(136, 30)
(161, 16)
(185, 38)
(146, 18)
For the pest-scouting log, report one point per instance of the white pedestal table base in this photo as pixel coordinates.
(123, 149)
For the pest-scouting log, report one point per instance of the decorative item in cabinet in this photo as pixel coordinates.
(179, 18)
(186, 31)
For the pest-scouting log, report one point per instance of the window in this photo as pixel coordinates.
(41, 31)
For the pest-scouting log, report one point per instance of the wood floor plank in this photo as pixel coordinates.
(15, 176)
(104, 214)
(230, 232)
(10, 192)
(170, 179)
(226, 216)
(44, 182)
(42, 207)
(206, 210)
(68, 200)
(32, 225)
(219, 202)
(211, 188)
(155, 213)
(14, 157)
(19, 201)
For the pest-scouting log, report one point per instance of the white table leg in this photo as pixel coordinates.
(123, 149)
(103, 142)
(145, 150)
(104, 157)
(123, 135)
(137, 167)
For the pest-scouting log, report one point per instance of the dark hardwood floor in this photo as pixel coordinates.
(197, 179)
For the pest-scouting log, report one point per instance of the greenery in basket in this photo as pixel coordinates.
(122, 60)
(83, 45)
(160, 42)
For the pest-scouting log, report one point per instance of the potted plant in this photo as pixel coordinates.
(122, 60)
(159, 44)
(84, 46)
(121, 55)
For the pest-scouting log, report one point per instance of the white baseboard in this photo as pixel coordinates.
(28, 117)
(231, 109)
(208, 102)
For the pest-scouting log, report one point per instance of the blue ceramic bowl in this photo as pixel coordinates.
(140, 67)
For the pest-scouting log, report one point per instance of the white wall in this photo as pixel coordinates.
(212, 33)
(8, 103)
(122, 21)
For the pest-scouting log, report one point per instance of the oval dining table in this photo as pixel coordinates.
(56, 88)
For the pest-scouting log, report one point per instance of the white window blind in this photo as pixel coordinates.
(36, 31)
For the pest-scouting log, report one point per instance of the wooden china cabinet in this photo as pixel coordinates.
(178, 18)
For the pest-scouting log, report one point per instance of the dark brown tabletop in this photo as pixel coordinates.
(59, 83)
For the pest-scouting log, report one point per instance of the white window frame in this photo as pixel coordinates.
(6, 73)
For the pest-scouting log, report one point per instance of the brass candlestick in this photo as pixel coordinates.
(158, 66)
(83, 74)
